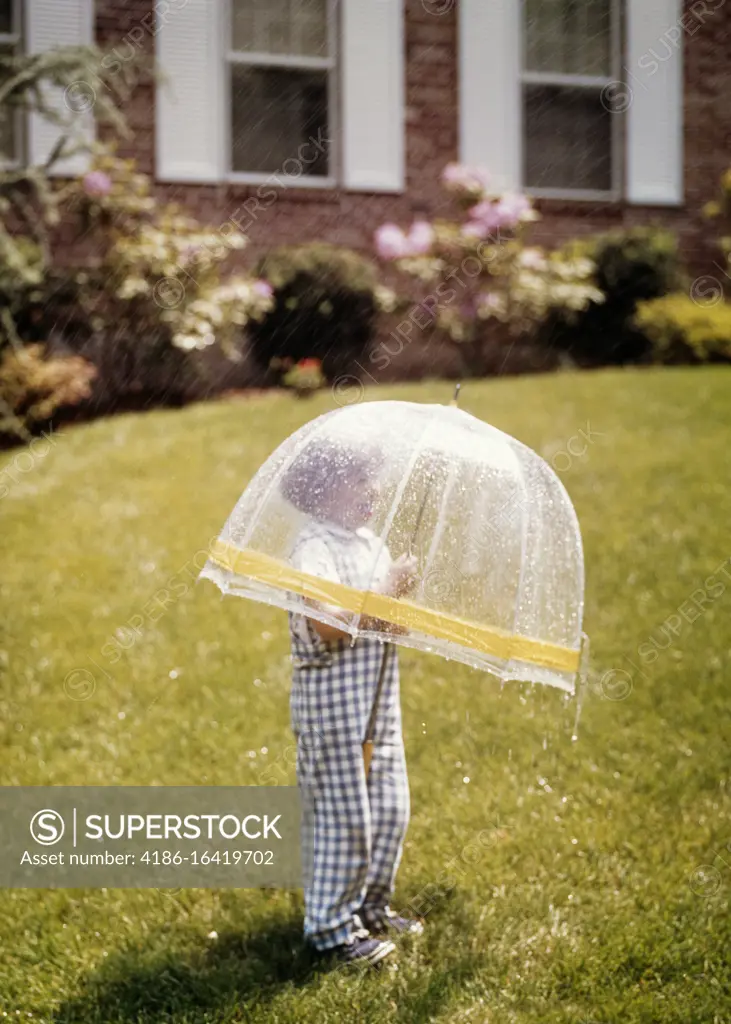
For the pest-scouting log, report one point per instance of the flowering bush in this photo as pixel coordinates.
(32, 202)
(155, 286)
(477, 266)
(153, 290)
(163, 265)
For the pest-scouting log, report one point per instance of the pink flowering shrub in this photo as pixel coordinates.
(159, 267)
(476, 268)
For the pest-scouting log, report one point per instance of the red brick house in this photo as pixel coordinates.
(335, 114)
(304, 119)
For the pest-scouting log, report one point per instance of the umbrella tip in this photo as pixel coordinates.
(455, 396)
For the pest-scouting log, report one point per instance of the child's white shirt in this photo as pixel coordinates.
(331, 552)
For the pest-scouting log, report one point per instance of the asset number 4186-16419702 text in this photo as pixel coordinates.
(224, 857)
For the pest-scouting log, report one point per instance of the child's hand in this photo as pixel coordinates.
(371, 623)
(402, 575)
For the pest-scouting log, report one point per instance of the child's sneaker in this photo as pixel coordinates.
(364, 948)
(392, 922)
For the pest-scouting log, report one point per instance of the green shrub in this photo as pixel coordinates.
(683, 331)
(326, 300)
(631, 267)
(636, 265)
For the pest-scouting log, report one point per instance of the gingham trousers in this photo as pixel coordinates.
(353, 829)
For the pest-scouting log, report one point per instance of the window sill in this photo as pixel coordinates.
(574, 195)
(601, 203)
(269, 191)
(282, 181)
(302, 189)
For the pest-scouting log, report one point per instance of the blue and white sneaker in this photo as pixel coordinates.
(365, 948)
(389, 921)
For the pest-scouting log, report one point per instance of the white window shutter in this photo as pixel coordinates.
(373, 94)
(49, 24)
(189, 115)
(655, 115)
(490, 93)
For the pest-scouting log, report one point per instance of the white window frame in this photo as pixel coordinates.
(595, 83)
(331, 64)
(15, 39)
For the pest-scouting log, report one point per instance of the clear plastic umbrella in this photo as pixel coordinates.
(487, 523)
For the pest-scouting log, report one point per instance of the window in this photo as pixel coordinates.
(282, 64)
(571, 53)
(10, 134)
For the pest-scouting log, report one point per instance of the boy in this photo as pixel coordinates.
(357, 822)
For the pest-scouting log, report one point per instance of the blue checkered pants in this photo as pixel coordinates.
(353, 827)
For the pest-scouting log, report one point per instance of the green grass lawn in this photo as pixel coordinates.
(603, 894)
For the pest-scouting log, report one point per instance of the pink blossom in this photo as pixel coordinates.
(512, 209)
(468, 179)
(97, 183)
(262, 289)
(420, 238)
(484, 218)
(487, 213)
(453, 174)
(391, 243)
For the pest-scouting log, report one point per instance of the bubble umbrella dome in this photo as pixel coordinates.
(489, 525)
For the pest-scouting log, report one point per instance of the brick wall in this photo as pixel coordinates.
(707, 144)
(349, 218)
(344, 218)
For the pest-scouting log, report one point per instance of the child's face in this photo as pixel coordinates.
(354, 502)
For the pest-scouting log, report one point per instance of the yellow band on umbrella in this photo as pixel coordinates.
(496, 642)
